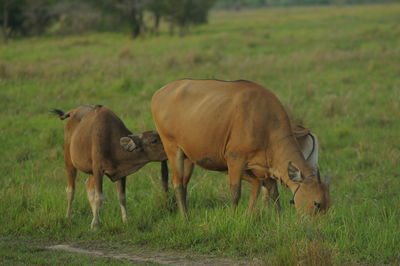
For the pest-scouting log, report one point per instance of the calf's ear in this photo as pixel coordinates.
(294, 173)
(127, 144)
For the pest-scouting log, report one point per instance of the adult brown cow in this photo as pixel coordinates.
(92, 144)
(308, 143)
(234, 126)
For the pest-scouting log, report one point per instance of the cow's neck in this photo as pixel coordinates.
(285, 150)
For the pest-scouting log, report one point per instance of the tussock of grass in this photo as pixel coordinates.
(336, 71)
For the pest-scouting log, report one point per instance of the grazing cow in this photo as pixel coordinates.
(92, 145)
(234, 126)
(308, 143)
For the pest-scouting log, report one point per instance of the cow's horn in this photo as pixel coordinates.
(318, 176)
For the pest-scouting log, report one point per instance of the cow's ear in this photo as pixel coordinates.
(127, 144)
(294, 173)
(328, 179)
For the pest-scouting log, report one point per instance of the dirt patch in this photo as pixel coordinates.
(163, 258)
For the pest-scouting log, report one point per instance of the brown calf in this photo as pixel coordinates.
(92, 145)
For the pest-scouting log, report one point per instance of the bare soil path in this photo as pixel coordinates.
(148, 256)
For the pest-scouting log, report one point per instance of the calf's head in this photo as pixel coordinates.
(148, 143)
(311, 194)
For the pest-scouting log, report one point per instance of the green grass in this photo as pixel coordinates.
(336, 69)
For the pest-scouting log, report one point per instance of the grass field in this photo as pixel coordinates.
(336, 69)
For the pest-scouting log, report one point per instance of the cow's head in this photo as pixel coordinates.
(311, 194)
(148, 142)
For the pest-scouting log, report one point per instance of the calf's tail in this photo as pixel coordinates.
(60, 113)
(164, 175)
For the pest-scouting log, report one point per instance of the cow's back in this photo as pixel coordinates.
(209, 118)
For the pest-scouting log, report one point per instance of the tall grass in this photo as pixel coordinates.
(336, 69)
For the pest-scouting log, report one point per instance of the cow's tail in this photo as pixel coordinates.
(164, 175)
(60, 113)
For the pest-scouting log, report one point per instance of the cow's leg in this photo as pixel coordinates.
(255, 191)
(236, 172)
(179, 187)
(97, 186)
(187, 171)
(176, 157)
(71, 176)
(121, 189)
(271, 193)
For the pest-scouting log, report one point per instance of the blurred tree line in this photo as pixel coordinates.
(238, 4)
(36, 17)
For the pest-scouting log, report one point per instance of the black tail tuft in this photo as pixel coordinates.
(60, 113)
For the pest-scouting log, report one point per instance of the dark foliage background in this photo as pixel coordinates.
(32, 18)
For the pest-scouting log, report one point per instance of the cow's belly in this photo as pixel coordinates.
(209, 159)
(211, 163)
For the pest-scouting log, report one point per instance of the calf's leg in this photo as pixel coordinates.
(71, 176)
(90, 190)
(95, 195)
(164, 177)
(121, 189)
